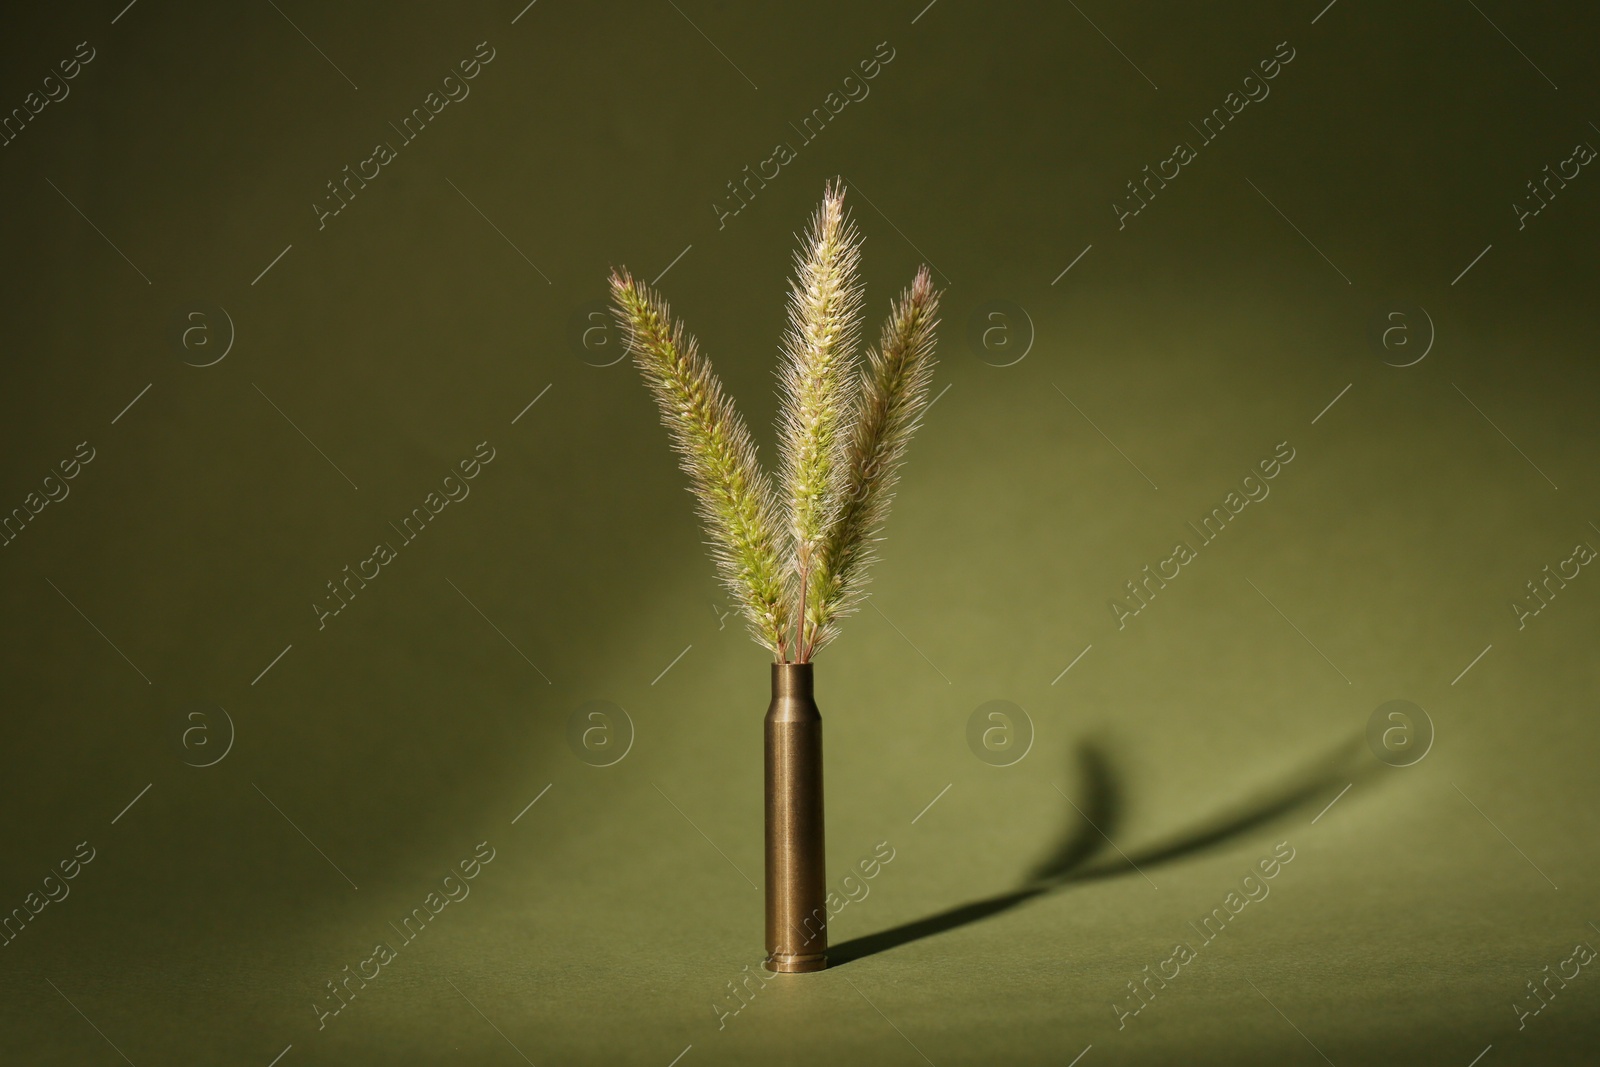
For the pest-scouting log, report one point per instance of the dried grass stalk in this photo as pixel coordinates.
(892, 397)
(734, 494)
(817, 383)
(843, 433)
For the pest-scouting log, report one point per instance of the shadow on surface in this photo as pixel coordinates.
(1090, 835)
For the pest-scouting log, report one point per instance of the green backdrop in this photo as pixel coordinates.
(1176, 242)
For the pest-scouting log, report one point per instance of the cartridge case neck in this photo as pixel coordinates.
(793, 698)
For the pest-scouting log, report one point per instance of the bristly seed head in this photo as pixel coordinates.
(817, 388)
(843, 435)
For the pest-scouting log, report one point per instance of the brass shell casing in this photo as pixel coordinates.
(797, 911)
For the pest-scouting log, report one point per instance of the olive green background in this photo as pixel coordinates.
(1225, 718)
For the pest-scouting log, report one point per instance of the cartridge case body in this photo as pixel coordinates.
(796, 897)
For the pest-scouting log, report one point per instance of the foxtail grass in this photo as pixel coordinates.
(796, 559)
(817, 384)
(892, 396)
(734, 494)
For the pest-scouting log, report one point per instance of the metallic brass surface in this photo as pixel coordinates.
(797, 912)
